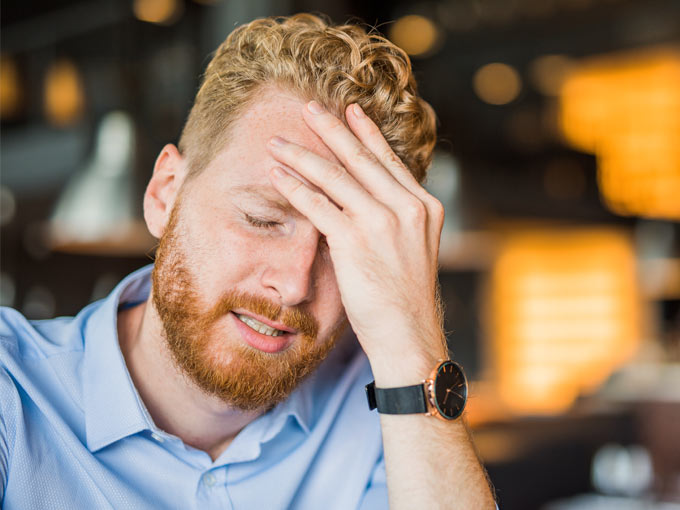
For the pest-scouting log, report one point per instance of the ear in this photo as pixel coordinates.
(168, 175)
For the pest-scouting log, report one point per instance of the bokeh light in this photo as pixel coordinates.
(548, 73)
(564, 315)
(625, 109)
(64, 95)
(416, 35)
(497, 83)
(161, 12)
(10, 88)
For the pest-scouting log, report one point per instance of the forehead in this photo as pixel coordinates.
(244, 160)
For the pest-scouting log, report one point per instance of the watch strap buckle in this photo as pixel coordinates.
(402, 400)
(370, 395)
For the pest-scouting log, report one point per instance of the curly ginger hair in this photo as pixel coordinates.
(335, 65)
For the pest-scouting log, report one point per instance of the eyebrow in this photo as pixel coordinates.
(265, 193)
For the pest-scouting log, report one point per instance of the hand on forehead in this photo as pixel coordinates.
(276, 113)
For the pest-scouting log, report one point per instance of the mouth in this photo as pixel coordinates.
(261, 336)
(258, 326)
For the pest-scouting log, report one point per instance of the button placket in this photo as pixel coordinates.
(209, 479)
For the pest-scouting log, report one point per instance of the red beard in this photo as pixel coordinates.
(241, 376)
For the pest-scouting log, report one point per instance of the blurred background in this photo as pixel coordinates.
(558, 164)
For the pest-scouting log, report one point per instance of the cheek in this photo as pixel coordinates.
(220, 259)
(328, 295)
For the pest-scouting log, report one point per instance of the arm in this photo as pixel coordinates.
(3, 461)
(432, 464)
(6, 388)
(382, 230)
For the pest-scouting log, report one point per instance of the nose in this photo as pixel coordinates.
(290, 268)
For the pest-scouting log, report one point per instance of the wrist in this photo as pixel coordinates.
(404, 369)
(443, 394)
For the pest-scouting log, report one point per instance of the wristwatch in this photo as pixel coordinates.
(442, 395)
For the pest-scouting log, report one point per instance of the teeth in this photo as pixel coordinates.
(258, 326)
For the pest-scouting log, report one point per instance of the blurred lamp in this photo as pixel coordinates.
(563, 310)
(497, 83)
(98, 212)
(64, 97)
(416, 35)
(626, 110)
(621, 470)
(160, 12)
(10, 88)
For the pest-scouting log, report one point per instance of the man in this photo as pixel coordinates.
(222, 377)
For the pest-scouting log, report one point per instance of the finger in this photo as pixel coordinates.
(368, 133)
(315, 206)
(354, 155)
(371, 137)
(331, 178)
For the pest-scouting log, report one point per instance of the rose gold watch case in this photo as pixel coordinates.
(433, 410)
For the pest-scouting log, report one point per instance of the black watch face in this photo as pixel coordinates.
(450, 389)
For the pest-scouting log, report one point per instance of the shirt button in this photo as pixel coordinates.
(209, 479)
(156, 437)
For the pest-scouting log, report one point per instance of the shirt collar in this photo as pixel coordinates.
(112, 406)
(301, 403)
(302, 409)
(298, 405)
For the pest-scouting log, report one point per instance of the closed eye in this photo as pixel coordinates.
(261, 223)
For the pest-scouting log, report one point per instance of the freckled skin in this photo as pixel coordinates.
(387, 218)
(289, 265)
(286, 265)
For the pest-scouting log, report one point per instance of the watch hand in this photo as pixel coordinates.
(448, 392)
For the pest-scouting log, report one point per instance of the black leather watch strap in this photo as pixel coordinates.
(403, 400)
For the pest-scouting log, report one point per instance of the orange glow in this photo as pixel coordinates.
(416, 35)
(563, 315)
(10, 88)
(548, 73)
(626, 111)
(497, 83)
(64, 96)
(161, 12)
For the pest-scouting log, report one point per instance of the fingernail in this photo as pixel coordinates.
(314, 107)
(278, 141)
(358, 111)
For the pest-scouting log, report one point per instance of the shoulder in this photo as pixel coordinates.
(10, 411)
(40, 360)
(27, 339)
(23, 348)
(10, 402)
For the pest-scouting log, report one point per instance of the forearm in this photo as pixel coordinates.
(382, 230)
(430, 463)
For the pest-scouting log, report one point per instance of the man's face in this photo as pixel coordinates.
(243, 284)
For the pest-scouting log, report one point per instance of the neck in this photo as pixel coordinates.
(175, 404)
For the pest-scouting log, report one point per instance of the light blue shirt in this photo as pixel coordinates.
(74, 432)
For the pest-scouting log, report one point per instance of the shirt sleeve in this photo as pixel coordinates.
(375, 497)
(7, 392)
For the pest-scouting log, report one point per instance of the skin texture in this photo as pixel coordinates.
(353, 237)
(222, 365)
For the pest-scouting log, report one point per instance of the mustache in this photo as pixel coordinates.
(295, 318)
